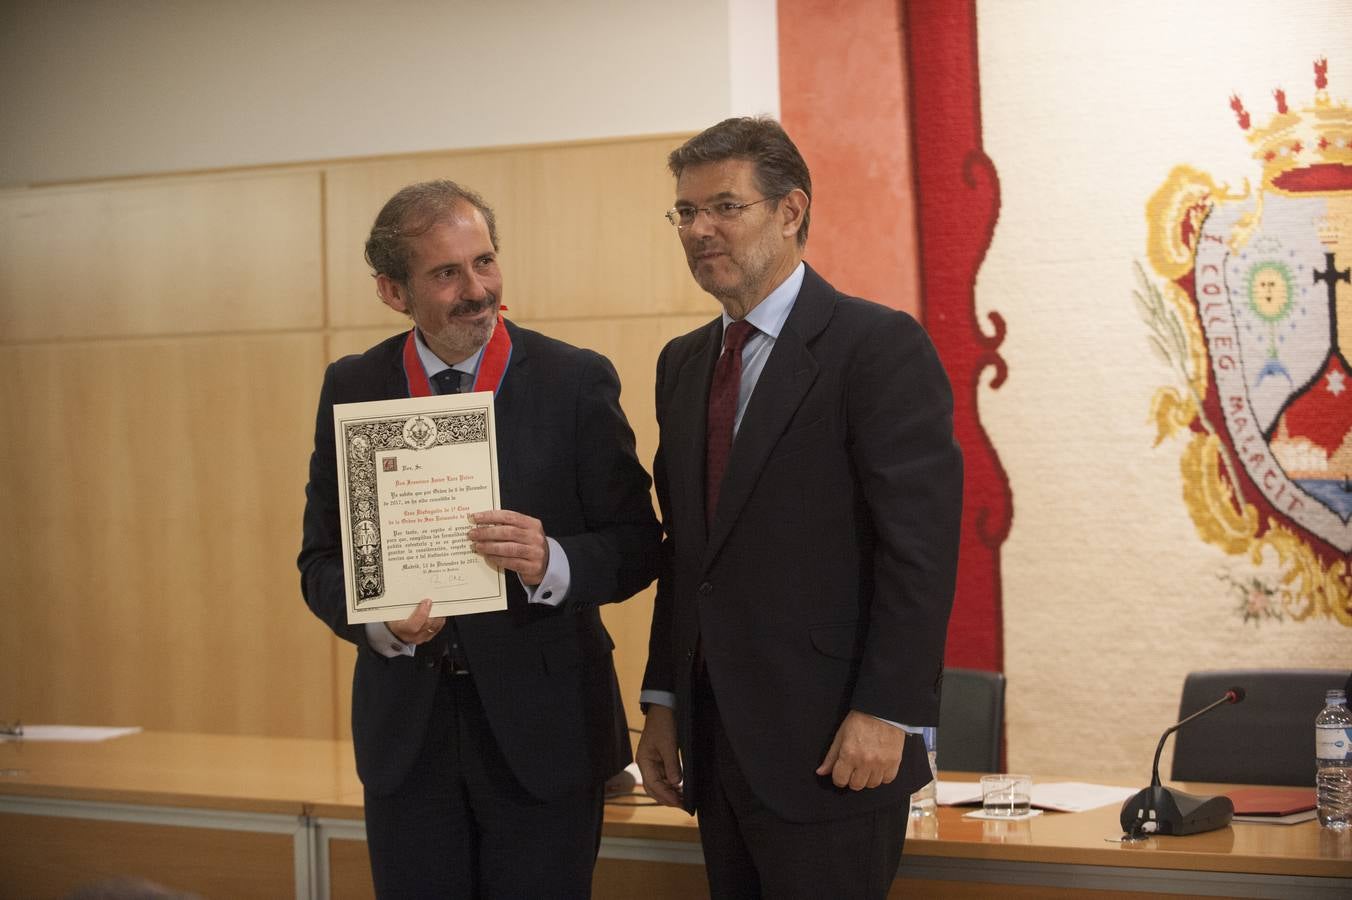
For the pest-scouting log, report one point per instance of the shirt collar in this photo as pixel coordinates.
(770, 314)
(432, 364)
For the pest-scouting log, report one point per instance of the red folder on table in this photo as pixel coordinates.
(1265, 801)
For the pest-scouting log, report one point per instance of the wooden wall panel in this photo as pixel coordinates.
(80, 853)
(614, 878)
(158, 419)
(354, 193)
(580, 227)
(632, 344)
(154, 576)
(359, 340)
(588, 236)
(169, 256)
(350, 871)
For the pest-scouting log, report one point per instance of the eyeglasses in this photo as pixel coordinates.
(727, 211)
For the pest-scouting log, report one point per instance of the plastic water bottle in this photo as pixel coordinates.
(922, 801)
(1333, 761)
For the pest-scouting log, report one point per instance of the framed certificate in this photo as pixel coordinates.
(409, 473)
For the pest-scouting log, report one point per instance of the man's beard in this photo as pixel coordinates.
(751, 268)
(463, 339)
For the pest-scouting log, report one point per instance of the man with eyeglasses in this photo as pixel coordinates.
(483, 741)
(811, 492)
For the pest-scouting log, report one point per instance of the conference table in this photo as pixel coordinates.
(239, 817)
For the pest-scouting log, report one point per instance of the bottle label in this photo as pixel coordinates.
(1332, 742)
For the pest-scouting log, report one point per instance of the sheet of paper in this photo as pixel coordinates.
(409, 473)
(1059, 796)
(74, 733)
(992, 817)
(956, 793)
(1077, 796)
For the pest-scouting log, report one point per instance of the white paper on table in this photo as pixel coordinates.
(956, 793)
(74, 733)
(1058, 796)
(1077, 796)
(997, 817)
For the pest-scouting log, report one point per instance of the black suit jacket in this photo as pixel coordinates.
(826, 579)
(544, 674)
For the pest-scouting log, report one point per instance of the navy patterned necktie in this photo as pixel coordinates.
(452, 381)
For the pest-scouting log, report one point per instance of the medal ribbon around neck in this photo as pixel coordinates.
(492, 365)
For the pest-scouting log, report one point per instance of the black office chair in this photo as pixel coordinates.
(1268, 738)
(971, 719)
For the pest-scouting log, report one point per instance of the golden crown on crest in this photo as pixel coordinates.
(1307, 149)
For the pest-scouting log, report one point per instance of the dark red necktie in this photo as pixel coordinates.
(722, 412)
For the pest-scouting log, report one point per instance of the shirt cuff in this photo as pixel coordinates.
(660, 698)
(909, 729)
(383, 641)
(558, 576)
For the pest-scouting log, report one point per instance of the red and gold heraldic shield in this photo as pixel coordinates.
(1254, 317)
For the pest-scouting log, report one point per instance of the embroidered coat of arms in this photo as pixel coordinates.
(1252, 310)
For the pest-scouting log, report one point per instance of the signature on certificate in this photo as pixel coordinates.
(449, 579)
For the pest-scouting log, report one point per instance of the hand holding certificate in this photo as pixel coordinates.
(410, 472)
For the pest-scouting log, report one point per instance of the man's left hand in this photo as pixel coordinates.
(511, 540)
(866, 752)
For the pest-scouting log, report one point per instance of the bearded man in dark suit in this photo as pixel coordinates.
(483, 741)
(811, 494)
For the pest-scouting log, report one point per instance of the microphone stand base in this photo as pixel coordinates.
(1160, 810)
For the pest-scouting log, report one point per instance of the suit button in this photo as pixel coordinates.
(705, 589)
(690, 654)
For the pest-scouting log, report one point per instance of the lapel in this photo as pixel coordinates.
(396, 381)
(689, 412)
(512, 415)
(784, 382)
(507, 403)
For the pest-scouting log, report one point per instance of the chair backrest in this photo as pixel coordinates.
(1268, 738)
(971, 719)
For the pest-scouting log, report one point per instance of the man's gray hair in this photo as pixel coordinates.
(779, 167)
(411, 213)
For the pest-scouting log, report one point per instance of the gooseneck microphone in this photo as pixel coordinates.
(1160, 810)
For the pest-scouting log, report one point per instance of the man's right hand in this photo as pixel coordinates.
(420, 627)
(657, 757)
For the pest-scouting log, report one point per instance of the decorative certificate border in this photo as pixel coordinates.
(363, 441)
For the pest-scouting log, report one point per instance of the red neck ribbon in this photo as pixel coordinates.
(492, 365)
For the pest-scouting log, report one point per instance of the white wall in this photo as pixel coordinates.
(94, 88)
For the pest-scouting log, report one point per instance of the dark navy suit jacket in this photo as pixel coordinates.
(544, 674)
(826, 579)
